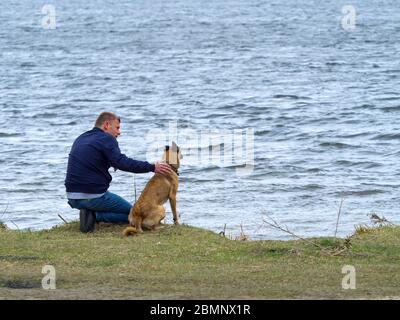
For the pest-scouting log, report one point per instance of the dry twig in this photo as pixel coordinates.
(378, 220)
(276, 225)
(14, 224)
(65, 221)
(5, 210)
(242, 236)
(337, 221)
(222, 233)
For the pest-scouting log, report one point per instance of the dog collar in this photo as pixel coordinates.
(175, 170)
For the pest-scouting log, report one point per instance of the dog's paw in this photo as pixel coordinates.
(176, 223)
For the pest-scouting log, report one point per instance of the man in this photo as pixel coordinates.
(88, 179)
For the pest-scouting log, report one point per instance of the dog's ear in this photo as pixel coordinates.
(166, 148)
(174, 147)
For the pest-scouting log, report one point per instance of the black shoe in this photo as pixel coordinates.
(87, 220)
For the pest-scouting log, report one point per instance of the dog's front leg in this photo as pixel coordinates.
(172, 202)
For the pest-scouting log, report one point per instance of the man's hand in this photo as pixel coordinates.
(162, 168)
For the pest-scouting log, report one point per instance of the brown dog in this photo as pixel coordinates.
(148, 211)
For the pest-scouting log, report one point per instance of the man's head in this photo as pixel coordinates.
(109, 122)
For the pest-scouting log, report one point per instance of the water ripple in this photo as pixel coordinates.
(322, 103)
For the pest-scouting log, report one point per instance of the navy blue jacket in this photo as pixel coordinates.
(92, 154)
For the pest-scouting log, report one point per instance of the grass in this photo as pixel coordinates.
(183, 262)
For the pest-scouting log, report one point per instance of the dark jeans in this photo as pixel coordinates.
(109, 207)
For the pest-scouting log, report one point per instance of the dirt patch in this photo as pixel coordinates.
(17, 258)
(20, 284)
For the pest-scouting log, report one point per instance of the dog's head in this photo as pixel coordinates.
(172, 155)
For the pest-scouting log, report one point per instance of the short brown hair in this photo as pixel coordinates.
(105, 116)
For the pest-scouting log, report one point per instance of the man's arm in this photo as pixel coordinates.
(120, 161)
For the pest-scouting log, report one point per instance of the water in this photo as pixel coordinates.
(323, 102)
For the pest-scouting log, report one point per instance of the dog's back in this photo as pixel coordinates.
(148, 210)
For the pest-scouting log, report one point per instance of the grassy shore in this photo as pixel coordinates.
(184, 262)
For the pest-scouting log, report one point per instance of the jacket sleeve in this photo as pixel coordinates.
(120, 161)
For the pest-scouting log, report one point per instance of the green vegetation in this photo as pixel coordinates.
(184, 262)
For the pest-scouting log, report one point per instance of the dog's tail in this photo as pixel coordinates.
(128, 231)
